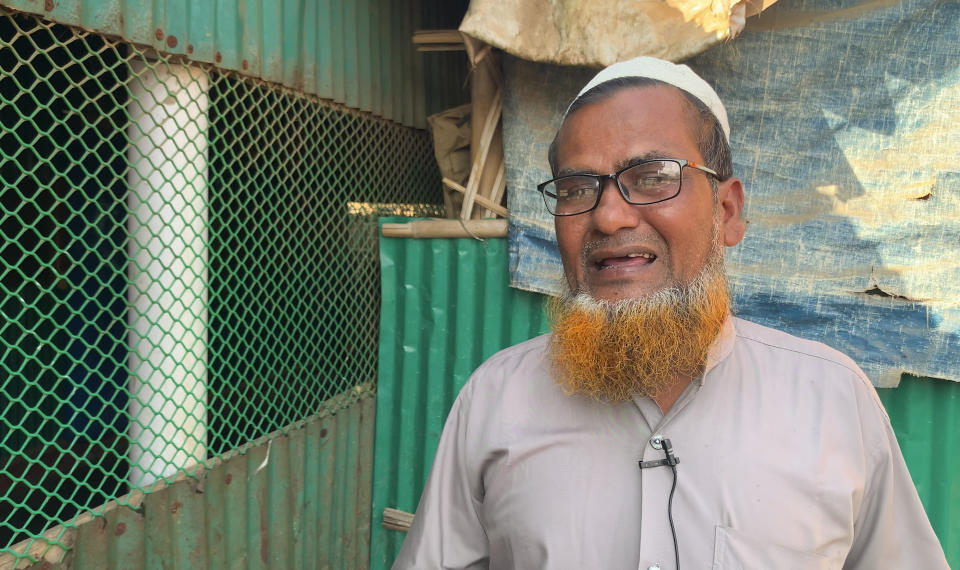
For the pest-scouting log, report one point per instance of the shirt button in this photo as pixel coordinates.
(657, 443)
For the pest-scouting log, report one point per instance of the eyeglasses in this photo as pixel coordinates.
(646, 182)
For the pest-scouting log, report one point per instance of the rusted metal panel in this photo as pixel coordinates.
(299, 498)
(358, 53)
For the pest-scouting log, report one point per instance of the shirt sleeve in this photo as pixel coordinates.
(891, 529)
(447, 532)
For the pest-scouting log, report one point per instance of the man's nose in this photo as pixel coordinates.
(613, 213)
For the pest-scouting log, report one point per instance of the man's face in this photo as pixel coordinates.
(621, 251)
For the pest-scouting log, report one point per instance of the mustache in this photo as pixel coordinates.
(623, 239)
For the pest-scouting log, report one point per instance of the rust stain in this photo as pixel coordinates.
(227, 479)
(176, 507)
(926, 196)
(218, 57)
(189, 48)
(48, 5)
(323, 432)
(158, 33)
(244, 64)
(120, 529)
(172, 41)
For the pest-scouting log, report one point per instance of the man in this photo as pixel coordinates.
(652, 429)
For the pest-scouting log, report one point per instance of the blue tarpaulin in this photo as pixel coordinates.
(846, 133)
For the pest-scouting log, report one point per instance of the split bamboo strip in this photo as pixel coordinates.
(486, 138)
(499, 183)
(486, 82)
(491, 206)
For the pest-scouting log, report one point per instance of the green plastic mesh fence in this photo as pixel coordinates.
(189, 262)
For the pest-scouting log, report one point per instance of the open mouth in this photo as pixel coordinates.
(629, 260)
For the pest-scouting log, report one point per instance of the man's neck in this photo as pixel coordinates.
(669, 396)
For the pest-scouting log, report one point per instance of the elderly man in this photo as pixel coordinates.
(652, 429)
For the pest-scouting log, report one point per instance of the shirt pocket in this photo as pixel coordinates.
(735, 551)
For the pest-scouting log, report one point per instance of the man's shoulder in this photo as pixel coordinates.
(521, 365)
(534, 348)
(789, 349)
(771, 355)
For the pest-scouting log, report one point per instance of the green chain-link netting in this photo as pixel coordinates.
(189, 262)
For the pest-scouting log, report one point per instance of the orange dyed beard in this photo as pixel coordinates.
(614, 350)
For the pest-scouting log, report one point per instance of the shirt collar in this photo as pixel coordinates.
(721, 347)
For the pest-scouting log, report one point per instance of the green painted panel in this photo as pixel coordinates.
(355, 52)
(447, 306)
(925, 414)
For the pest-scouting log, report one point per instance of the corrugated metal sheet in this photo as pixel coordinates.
(300, 499)
(447, 306)
(355, 52)
(925, 414)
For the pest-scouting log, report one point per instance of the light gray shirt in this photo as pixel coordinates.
(786, 460)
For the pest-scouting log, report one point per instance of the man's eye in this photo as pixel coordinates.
(656, 181)
(576, 192)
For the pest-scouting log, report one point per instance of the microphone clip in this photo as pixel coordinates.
(670, 460)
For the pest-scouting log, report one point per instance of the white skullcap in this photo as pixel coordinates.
(680, 76)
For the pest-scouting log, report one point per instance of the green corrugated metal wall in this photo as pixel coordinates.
(925, 414)
(355, 52)
(447, 306)
(298, 499)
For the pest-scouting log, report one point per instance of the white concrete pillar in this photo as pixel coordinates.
(168, 271)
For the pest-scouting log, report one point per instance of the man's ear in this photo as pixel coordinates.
(730, 210)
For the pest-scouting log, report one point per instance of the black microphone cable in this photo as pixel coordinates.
(670, 461)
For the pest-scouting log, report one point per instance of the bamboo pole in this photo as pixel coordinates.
(447, 229)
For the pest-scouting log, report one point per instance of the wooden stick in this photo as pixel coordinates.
(491, 206)
(395, 519)
(447, 229)
(441, 47)
(437, 37)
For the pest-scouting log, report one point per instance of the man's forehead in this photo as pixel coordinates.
(668, 106)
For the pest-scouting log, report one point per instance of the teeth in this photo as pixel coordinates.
(645, 255)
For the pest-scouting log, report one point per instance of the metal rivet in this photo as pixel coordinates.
(657, 442)
(654, 567)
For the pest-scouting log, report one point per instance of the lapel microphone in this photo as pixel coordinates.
(670, 460)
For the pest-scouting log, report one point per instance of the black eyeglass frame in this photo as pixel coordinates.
(615, 176)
